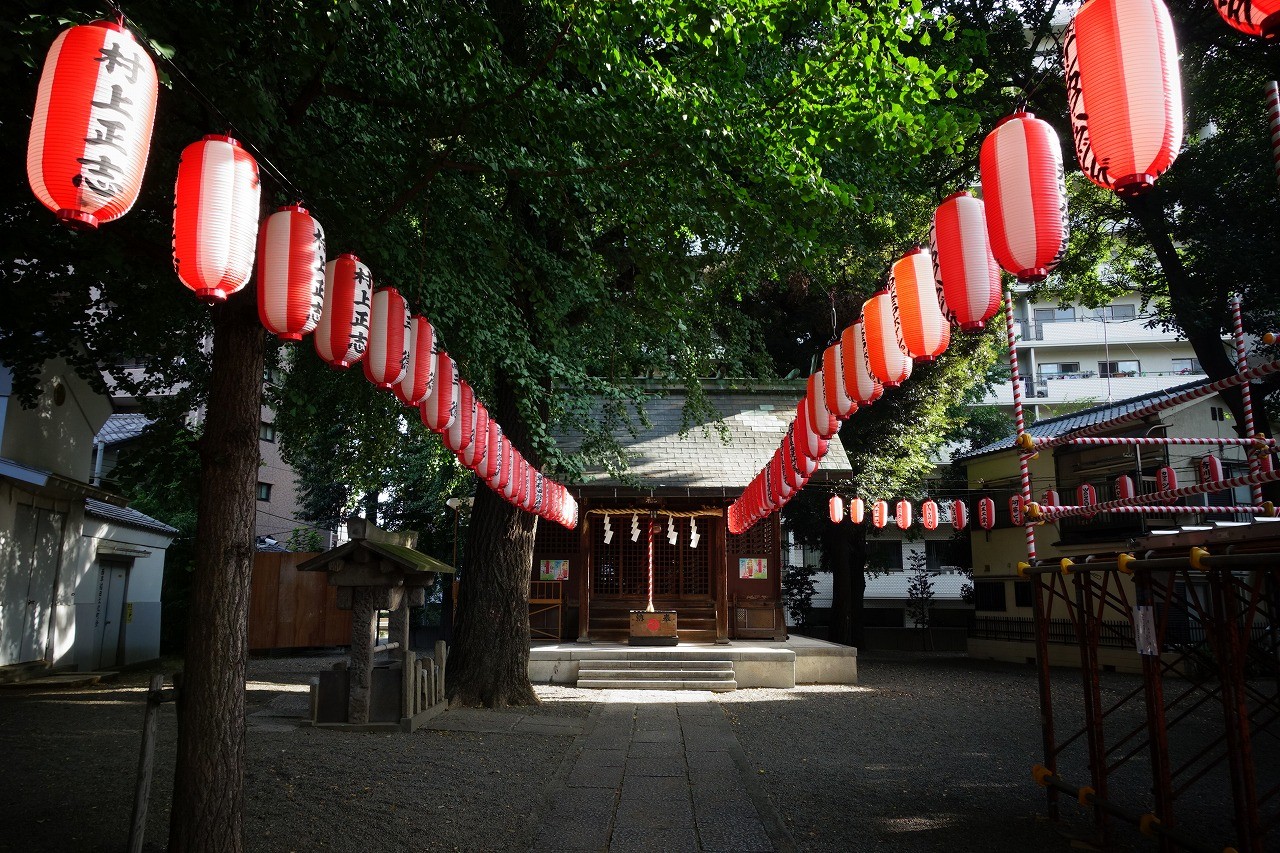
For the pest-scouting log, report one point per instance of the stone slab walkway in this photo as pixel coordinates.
(656, 774)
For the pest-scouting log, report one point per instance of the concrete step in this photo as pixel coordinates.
(654, 674)
(19, 672)
(65, 680)
(642, 684)
(664, 665)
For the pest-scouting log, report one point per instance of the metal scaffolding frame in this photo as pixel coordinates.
(1233, 662)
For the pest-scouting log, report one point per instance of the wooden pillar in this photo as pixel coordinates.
(398, 627)
(584, 576)
(364, 635)
(722, 581)
(775, 580)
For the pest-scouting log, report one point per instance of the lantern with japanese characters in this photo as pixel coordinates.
(390, 325)
(91, 126)
(929, 515)
(472, 456)
(461, 432)
(1124, 92)
(889, 362)
(959, 515)
(964, 270)
(880, 514)
(415, 385)
(1024, 195)
(1124, 487)
(291, 273)
(1210, 469)
(342, 335)
(859, 382)
(215, 219)
(986, 513)
(918, 316)
(1166, 479)
(488, 469)
(1015, 510)
(1051, 498)
(902, 515)
(440, 408)
(1086, 494)
(808, 442)
(1251, 17)
(821, 419)
(838, 399)
(835, 509)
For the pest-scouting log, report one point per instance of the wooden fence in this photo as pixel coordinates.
(289, 609)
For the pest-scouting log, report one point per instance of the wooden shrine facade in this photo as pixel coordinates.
(723, 588)
(681, 477)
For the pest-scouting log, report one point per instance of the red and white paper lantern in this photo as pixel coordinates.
(929, 515)
(902, 514)
(889, 362)
(291, 273)
(461, 432)
(488, 469)
(1086, 495)
(215, 218)
(472, 456)
(390, 325)
(1251, 17)
(91, 127)
(1124, 92)
(880, 514)
(859, 382)
(416, 383)
(964, 270)
(1211, 470)
(1024, 195)
(1124, 487)
(835, 509)
(1051, 498)
(959, 515)
(1015, 510)
(1166, 479)
(342, 335)
(440, 408)
(838, 399)
(986, 513)
(925, 332)
(857, 510)
(821, 419)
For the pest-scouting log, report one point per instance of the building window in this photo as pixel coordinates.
(1054, 315)
(1022, 594)
(267, 431)
(1187, 365)
(884, 555)
(989, 596)
(1119, 368)
(1117, 312)
(1059, 370)
(264, 491)
(1217, 413)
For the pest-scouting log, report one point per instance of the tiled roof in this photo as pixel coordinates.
(122, 427)
(127, 517)
(1062, 424)
(725, 454)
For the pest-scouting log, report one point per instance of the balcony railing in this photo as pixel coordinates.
(1089, 330)
(1082, 387)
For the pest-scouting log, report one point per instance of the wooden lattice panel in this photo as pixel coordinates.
(695, 577)
(622, 566)
(555, 541)
(756, 542)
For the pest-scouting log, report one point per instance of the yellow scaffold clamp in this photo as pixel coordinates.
(1147, 824)
(1066, 564)
(1041, 775)
(1022, 569)
(1197, 559)
(1084, 795)
(1124, 563)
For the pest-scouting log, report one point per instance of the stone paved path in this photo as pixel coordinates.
(659, 775)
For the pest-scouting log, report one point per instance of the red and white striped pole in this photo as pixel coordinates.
(1024, 468)
(1246, 393)
(651, 527)
(1162, 509)
(1151, 441)
(1272, 90)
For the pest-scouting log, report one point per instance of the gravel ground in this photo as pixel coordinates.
(934, 752)
(929, 752)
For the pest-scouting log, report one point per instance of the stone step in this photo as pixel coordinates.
(65, 680)
(18, 672)
(643, 684)
(655, 675)
(664, 664)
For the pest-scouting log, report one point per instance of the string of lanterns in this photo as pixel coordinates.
(1119, 53)
(88, 148)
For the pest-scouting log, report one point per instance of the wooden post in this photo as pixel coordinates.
(398, 627)
(442, 652)
(364, 632)
(585, 562)
(722, 583)
(146, 758)
(406, 683)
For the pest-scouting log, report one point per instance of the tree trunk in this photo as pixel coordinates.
(1197, 307)
(845, 546)
(208, 793)
(489, 663)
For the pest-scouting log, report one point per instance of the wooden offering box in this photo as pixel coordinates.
(653, 628)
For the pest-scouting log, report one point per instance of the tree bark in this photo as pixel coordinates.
(846, 549)
(208, 789)
(489, 663)
(1197, 307)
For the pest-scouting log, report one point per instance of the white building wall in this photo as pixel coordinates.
(144, 552)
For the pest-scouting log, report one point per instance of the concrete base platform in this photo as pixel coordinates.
(756, 663)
